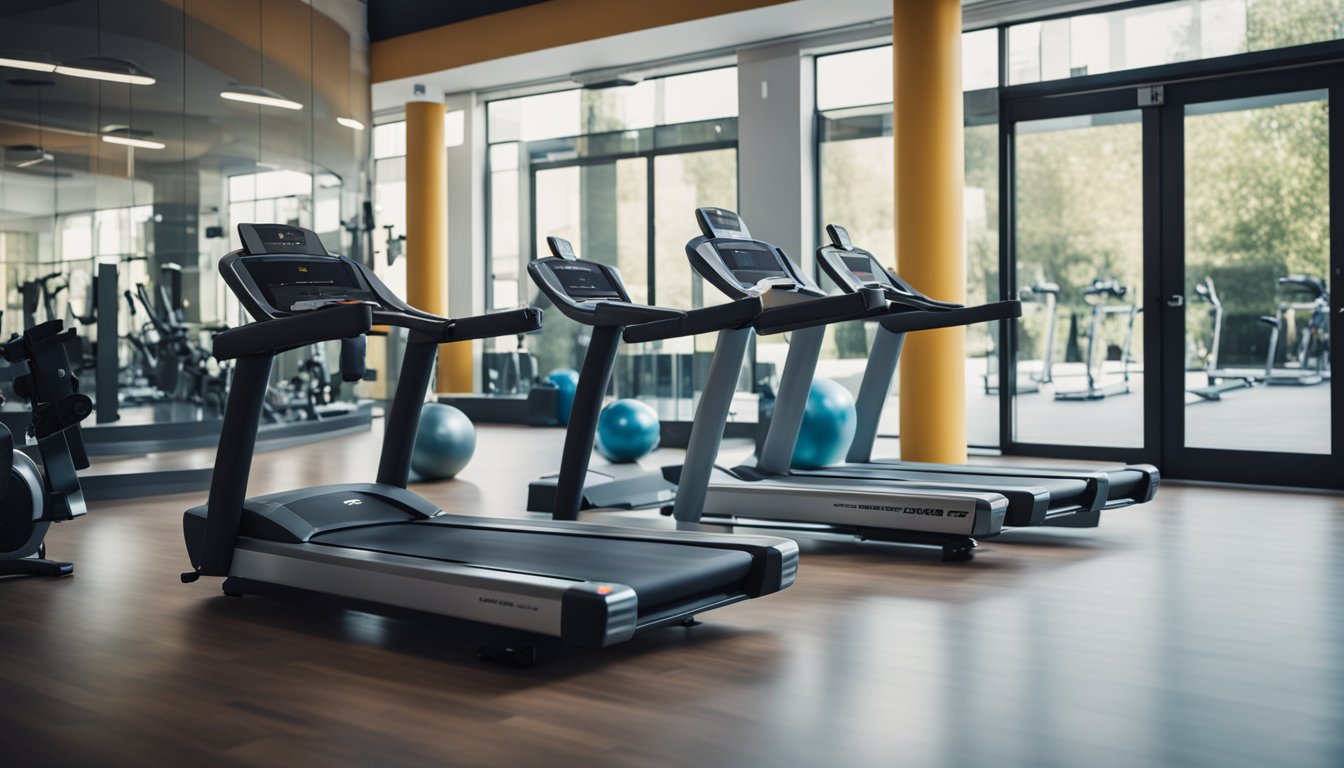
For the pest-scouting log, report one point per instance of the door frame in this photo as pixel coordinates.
(1311, 67)
(1013, 110)
(1237, 465)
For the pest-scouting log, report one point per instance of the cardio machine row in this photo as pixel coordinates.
(586, 584)
(944, 506)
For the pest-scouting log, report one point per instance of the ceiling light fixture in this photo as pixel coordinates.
(106, 68)
(351, 123)
(252, 94)
(126, 141)
(24, 60)
(39, 155)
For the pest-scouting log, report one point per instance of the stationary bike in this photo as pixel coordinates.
(32, 498)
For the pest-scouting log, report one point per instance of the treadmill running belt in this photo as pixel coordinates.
(657, 571)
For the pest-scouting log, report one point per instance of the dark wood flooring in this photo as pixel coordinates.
(1206, 628)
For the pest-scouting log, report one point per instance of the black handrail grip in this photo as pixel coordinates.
(720, 317)
(275, 336)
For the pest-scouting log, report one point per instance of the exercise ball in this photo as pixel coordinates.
(566, 380)
(828, 426)
(627, 430)
(444, 444)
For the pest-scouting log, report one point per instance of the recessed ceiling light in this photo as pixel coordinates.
(252, 94)
(106, 68)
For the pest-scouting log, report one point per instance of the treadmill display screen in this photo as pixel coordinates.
(750, 263)
(725, 223)
(585, 281)
(300, 285)
(866, 269)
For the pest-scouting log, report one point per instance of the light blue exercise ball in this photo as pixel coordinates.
(444, 444)
(828, 426)
(627, 430)
(566, 380)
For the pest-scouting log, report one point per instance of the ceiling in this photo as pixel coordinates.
(393, 18)
(855, 19)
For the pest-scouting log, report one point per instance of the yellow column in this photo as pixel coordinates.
(427, 234)
(927, 127)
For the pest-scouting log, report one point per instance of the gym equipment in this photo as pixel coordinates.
(32, 498)
(1075, 497)
(594, 295)
(627, 430)
(1309, 363)
(1106, 297)
(41, 292)
(1220, 379)
(1045, 294)
(827, 428)
(566, 381)
(377, 542)
(444, 442)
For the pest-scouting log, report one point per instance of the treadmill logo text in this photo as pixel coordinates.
(507, 604)
(352, 502)
(922, 511)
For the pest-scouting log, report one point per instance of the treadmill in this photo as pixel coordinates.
(378, 542)
(855, 269)
(944, 515)
(593, 294)
(1031, 500)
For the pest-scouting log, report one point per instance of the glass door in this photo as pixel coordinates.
(1079, 366)
(1251, 251)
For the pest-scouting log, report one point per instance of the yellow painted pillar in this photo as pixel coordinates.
(427, 234)
(927, 127)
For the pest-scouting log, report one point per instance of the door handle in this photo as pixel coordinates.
(1176, 300)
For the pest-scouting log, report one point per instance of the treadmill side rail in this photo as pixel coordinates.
(525, 602)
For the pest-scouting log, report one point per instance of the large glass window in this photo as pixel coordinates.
(1165, 33)
(856, 169)
(617, 172)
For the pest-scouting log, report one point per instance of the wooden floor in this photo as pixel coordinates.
(1206, 628)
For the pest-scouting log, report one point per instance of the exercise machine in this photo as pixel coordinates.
(1309, 363)
(765, 493)
(594, 295)
(1107, 298)
(33, 497)
(1076, 497)
(1219, 379)
(1045, 294)
(40, 294)
(378, 542)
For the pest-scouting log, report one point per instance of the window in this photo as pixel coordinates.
(856, 185)
(389, 139)
(1165, 33)
(618, 172)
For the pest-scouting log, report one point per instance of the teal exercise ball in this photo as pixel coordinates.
(828, 426)
(444, 444)
(566, 380)
(627, 430)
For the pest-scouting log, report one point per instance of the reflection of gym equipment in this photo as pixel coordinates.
(509, 373)
(32, 498)
(1309, 362)
(1045, 294)
(1100, 295)
(378, 542)
(1220, 380)
(176, 353)
(39, 293)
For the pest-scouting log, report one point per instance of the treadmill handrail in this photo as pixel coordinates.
(866, 303)
(915, 319)
(271, 337)
(718, 317)
(608, 312)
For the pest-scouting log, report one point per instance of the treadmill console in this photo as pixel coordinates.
(575, 285)
(851, 267)
(727, 256)
(283, 270)
(721, 222)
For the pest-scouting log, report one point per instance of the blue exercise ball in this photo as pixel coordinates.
(627, 430)
(828, 426)
(444, 444)
(566, 380)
